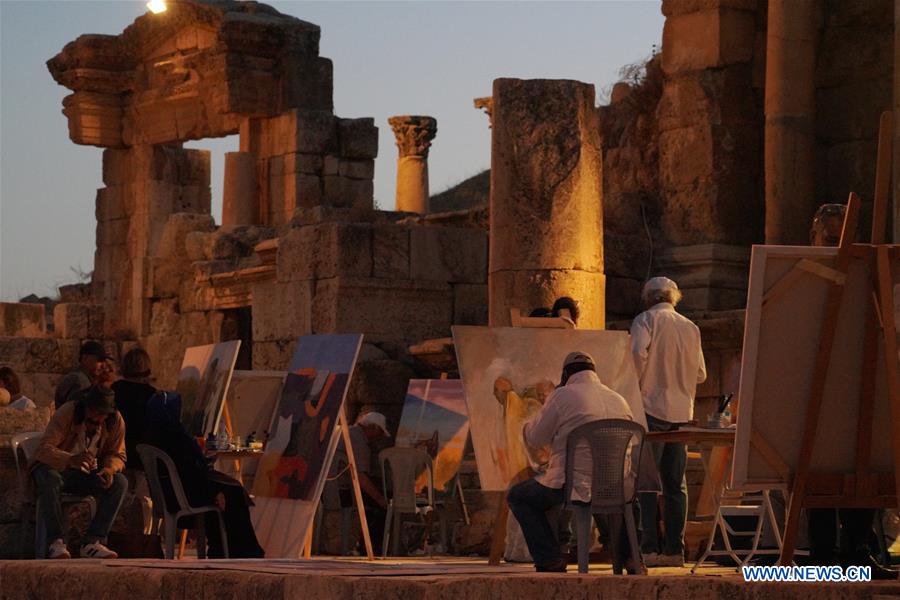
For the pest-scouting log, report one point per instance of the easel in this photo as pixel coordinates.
(354, 476)
(357, 492)
(863, 488)
(498, 535)
(459, 489)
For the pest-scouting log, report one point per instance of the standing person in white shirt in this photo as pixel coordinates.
(581, 398)
(669, 363)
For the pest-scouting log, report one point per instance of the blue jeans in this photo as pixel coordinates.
(529, 501)
(51, 484)
(671, 461)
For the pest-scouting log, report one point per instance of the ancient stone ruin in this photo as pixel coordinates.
(688, 165)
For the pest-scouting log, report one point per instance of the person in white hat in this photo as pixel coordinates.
(581, 398)
(369, 428)
(669, 362)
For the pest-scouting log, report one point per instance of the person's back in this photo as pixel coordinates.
(583, 399)
(669, 362)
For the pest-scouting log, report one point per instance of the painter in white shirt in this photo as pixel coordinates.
(582, 400)
(669, 362)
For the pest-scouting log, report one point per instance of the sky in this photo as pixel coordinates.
(390, 58)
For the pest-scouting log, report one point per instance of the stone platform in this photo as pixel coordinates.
(456, 579)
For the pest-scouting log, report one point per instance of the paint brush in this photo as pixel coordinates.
(723, 402)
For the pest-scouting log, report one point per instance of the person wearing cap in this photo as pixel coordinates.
(669, 361)
(580, 398)
(82, 452)
(91, 359)
(369, 430)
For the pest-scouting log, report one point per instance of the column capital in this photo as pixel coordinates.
(414, 134)
(487, 105)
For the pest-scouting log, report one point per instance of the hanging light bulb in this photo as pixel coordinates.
(157, 6)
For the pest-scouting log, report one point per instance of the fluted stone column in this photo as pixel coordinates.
(414, 135)
(546, 219)
(239, 206)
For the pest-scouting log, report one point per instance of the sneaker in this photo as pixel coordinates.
(670, 560)
(97, 550)
(58, 550)
(651, 559)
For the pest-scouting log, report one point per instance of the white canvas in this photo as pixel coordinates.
(780, 345)
(531, 359)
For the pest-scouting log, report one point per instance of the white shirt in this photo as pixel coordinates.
(583, 399)
(669, 362)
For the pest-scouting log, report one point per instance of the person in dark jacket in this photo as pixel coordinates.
(132, 394)
(204, 485)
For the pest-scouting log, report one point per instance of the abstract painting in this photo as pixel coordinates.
(434, 419)
(203, 383)
(508, 373)
(302, 442)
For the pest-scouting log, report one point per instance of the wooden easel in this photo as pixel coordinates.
(863, 488)
(344, 427)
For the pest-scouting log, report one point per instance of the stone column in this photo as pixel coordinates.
(239, 205)
(414, 135)
(546, 218)
(790, 120)
(896, 169)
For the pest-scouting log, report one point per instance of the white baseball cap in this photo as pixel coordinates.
(660, 284)
(374, 418)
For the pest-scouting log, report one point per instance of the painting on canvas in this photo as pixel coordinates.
(203, 383)
(508, 373)
(434, 419)
(302, 442)
(251, 401)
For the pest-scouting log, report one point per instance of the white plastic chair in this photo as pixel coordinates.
(405, 464)
(152, 458)
(615, 447)
(28, 442)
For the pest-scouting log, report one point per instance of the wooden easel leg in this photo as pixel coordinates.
(792, 525)
(498, 539)
(183, 543)
(307, 545)
(354, 477)
(886, 300)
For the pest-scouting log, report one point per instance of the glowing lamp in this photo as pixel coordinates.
(157, 6)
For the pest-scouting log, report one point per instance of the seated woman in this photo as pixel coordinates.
(9, 381)
(203, 485)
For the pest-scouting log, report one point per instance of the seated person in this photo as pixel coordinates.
(369, 429)
(580, 399)
(9, 381)
(91, 359)
(132, 393)
(203, 485)
(83, 453)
